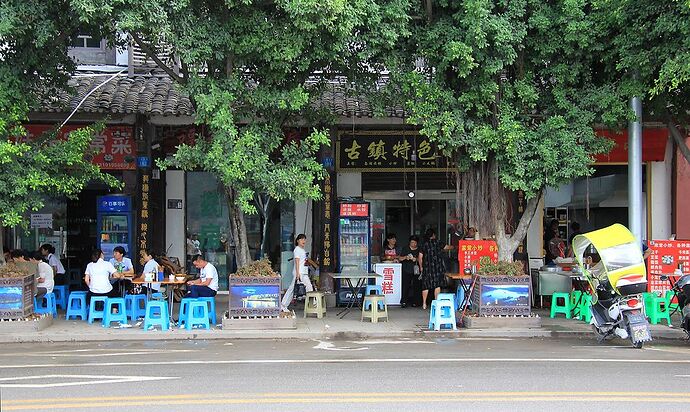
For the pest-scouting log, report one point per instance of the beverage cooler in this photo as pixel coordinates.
(354, 247)
(114, 220)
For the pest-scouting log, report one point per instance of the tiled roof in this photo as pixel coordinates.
(157, 95)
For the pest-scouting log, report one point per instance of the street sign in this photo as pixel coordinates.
(41, 220)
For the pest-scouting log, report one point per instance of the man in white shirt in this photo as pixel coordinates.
(45, 281)
(207, 284)
(97, 276)
(48, 252)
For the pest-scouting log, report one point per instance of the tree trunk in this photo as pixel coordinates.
(2, 244)
(238, 227)
(266, 204)
(679, 140)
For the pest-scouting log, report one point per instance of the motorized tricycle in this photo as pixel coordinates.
(611, 260)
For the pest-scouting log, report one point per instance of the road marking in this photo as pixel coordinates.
(310, 398)
(80, 353)
(349, 360)
(682, 376)
(85, 380)
(390, 342)
(331, 346)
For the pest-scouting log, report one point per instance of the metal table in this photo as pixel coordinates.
(174, 284)
(461, 278)
(355, 289)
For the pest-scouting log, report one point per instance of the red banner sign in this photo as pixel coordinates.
(653, 145)
(664, 260)
(114, 145)
(470, 251)
(354, 209)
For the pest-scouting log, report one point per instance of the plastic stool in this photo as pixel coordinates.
(135, 305)
(157, 315)
(315, 303)
(656, 308)
(448, 296)
(49, 307)
(97, 314)
(120, 316)
(575, 298)
(566, 308)
(459, 297)
(374, 288)
(584, 308)
(442, 313)
(76, 306)
(157, 296)
(184, 311)
(61, 292)
(211, 301)
(374, 303)
(197, 315)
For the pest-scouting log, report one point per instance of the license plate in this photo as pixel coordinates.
(640, 333)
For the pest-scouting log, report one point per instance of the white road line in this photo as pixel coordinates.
(98, 354)
(343, 361)
(390, 342)
(85, 380)
(330, 346)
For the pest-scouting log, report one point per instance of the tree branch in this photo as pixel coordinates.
(679, 140)
(150, 52)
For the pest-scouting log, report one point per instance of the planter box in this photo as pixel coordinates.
(254, 323)
(502, 295)
(17, 297)
(24, 326)
(253, 296)
(519, 322)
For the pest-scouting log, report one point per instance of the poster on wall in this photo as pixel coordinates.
(470, 251)
(390, 281)
(666, 257)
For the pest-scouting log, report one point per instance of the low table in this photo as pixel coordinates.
(174, 284)
(362, 279)
(461, 278)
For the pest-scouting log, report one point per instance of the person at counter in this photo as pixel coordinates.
(553, 244)
(411, 284)
(391, 252)
(574, 231)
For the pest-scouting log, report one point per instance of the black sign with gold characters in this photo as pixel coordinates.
(389, 151)
(144, 209)
(328, 234)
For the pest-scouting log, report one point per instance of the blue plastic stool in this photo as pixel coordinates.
(157, 314)
(120, 316)
(211, 301)
(157, 296)
(61, 292)
(459, 297)
(97, 314)
(184, 311)
(197, 315)
(378, 291)
(48, 307)
(448, 296)
(76, 306)
(135, 305)
(442, 314)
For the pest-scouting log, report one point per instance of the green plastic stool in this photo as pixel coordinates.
(656, 308)
(584, 312)
(668, 298)
(575, 297)
(566, 308)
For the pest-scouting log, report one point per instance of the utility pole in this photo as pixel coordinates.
(635, 171)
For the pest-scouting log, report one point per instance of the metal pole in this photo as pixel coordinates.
(635, 170)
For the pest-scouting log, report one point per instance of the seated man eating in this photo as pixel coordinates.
(207, 284)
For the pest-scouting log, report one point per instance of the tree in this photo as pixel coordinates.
(33, 66)
(650, 54)
(511, 90)
(251, 68)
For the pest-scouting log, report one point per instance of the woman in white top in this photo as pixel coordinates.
(45, 281)
(97, 276)
(299, 271)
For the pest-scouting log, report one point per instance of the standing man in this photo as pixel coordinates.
(207, 284)
(48, 252)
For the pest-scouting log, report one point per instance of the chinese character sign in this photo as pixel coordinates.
(470, 251)
(354, 209)
(664, 260)
(113, 147)
(390, 281)
(327, 255)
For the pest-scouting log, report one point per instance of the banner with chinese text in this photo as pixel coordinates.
(114, 145)
(388, 152)
(470, 251)
(664, 260)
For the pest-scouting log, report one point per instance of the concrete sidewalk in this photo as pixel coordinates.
(408, 322)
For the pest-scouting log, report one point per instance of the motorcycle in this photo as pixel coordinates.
(682, 291)
(611, 261)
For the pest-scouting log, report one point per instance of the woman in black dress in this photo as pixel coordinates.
(431, 263)
(410, 273)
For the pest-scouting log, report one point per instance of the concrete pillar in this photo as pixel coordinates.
(175, 231)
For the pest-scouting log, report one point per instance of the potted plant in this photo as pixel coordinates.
(17, 286)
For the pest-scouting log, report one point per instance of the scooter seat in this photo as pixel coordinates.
(631, 284)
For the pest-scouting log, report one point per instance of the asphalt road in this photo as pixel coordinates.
(371, 375)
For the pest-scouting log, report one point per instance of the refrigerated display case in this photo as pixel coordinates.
(354, 247)
(114, 220)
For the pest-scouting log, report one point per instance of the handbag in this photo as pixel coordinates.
(300, 290)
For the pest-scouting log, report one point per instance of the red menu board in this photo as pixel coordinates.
(470, 251)
(664, 260)
(354, 209)
(114, 146)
